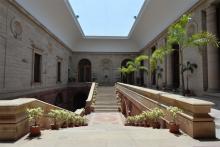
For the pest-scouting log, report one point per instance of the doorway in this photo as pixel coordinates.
(175, 66)
(84, 71)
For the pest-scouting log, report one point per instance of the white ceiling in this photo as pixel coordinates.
(157, 15)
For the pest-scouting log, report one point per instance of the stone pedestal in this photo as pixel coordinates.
(212, 52)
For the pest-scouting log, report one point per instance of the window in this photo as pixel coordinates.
(37, 68)
(58, 71)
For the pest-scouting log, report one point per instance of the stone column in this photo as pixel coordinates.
(212, 52)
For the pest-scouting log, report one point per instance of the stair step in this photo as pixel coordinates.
(106, 110)
(106, 106)
(106, 100)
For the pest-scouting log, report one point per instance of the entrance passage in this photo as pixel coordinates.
(84, 71)
(175, 66)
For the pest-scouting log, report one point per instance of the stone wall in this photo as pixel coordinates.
(20, 38)
(103, 64)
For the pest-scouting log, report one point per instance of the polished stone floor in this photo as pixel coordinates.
(106, 130)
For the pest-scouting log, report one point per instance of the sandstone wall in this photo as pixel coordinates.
(200, 82)
(20, 37)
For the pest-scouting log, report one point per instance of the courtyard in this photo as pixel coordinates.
(110, 73)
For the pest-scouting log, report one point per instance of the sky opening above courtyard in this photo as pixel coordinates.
(108, 18)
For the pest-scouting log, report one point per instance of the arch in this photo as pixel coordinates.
(79, 100)
(127, 78)
(84, 71)
(175, 66)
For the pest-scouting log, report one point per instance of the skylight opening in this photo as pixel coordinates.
(106, 18)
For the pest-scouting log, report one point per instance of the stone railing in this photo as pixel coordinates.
(90, 98)
(13, 118)
(194, 121)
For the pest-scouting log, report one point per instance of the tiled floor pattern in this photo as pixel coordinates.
(106, 118)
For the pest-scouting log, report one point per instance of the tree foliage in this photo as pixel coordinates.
(177, 34)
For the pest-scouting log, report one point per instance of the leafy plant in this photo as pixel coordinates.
(135, 65)
(177, 34)
(188, 67)
(55, 115)
(64, 116)
(156, 113)
(159, 72)
(34, 114)
(174, 111)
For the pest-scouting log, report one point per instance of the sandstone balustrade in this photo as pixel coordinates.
(194, 121)
(90, 98)
(13, 117)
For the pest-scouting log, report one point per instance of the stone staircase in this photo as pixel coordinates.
(106, 100)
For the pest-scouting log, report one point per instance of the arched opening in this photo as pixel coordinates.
(79, 100)
(175, 66)
(84, 71)
(153, 74)
(142, 75)
(129, 78)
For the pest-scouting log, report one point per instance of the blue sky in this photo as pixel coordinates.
(106, 17)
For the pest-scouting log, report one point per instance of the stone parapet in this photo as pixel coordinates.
(194, 121)
(89, 100)
(14, 121)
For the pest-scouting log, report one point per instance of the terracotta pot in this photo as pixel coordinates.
(54, 127)
(147, 125)
(64, 125)
(142, 124)
(85, 124)
(156, 125)
(35, 131)
(174, 128)
(127, 124)
(70, 125)
(76, 125)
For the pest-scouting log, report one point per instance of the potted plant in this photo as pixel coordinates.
(136, 120)
(130, 121)
(159, 73)
(174, 127)
(77, 121)
(85, 121)
(56, 116)
(34, 115)
(64, 118)
(71, 119)
(188, 67)
(141, 120)
(156, 114)
(147, 118)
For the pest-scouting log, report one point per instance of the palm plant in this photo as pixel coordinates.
(159, 72)
(135, 65)
(177, 34)
(188, 67)
(125, 71)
